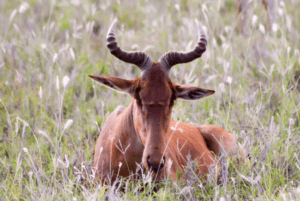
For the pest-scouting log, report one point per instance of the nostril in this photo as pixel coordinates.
(155, 167)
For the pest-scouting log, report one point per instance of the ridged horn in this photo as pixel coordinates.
(172, 58)
(139, 59)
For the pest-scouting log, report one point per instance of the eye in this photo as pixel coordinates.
(137, 97)
(139, 102)
(152, 104)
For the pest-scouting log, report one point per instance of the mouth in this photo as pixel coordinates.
(155, 172)
(155, 168)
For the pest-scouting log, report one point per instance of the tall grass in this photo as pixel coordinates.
(51, 113)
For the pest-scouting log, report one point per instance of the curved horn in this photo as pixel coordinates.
(138, 58)
(172, 58)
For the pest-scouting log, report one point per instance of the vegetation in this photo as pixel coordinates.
(51, 113)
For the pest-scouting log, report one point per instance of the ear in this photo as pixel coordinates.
(127, 86)
(191, 92)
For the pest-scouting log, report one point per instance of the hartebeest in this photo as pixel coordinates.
(144, 132)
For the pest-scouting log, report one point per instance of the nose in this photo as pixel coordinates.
(155, 167)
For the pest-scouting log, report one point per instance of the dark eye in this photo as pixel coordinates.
(137, 97)
(139, 102)
(151, 106)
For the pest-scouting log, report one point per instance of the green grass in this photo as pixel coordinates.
(43, 159)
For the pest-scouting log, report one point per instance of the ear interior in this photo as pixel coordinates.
(115, 83)
(191, 92)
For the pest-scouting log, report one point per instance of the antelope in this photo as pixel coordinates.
(143, 132)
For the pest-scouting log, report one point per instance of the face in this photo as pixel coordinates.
(154, 98)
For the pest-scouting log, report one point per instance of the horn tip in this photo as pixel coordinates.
(112, 27)
(201, 33)
(115, 21)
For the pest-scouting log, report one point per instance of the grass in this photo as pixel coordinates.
(49, 125)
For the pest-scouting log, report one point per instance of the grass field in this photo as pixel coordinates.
(51, 112)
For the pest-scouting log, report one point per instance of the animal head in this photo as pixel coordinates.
(154, 94)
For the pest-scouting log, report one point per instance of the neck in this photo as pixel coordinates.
(128, 120)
